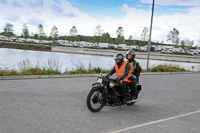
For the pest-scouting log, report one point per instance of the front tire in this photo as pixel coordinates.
(95, 101)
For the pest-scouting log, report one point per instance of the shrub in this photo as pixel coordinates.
(166, 68)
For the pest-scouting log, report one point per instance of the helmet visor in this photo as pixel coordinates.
(118, 57)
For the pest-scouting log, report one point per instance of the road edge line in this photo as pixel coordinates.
(154, 122)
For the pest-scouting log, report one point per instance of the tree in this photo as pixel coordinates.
(120, 39)
(8, 30)
(120, 32)
(25, 32)
(183, 44)
(120, 35)
(173, 37)
(54, 33)
(98, 31)
(36, 36)
(73, 31)
(106, 37)
(31, 35)
(144, 34)
(130, 40)
(41, 32)
(187, 43)
(50, 38)
(96, 39)
(130, 37)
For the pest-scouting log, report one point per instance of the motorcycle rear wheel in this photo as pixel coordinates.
(95, 101)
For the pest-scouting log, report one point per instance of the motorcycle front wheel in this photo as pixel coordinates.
(95, 101)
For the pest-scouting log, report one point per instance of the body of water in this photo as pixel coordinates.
(12, 58)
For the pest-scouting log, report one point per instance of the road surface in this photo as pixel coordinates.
(167, 104)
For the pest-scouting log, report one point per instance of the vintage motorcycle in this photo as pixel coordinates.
(106, 92)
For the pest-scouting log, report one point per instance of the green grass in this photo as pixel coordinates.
(43, 71)
(167, 68)
(23, 46)
(81, 70)
(89, 71)
(52, 67)
(32, 71)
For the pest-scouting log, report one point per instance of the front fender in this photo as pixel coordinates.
(96, 84)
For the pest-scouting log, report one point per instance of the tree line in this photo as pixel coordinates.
(99, 36)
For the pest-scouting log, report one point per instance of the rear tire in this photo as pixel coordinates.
(95, 101)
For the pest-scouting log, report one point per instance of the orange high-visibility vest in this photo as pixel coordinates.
(120, 71)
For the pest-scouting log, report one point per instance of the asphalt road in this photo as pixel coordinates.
(167, 104)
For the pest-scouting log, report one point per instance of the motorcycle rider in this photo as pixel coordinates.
(135, 70)
(123, 73)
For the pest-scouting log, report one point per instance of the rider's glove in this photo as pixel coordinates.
(131, 78)
(117, 79)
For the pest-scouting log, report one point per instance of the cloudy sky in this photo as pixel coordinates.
(132, 15)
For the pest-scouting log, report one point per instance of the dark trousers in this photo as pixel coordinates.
(133, 87)
(123, 86)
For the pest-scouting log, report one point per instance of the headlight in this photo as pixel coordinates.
(99, 80)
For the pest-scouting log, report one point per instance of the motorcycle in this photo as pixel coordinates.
(106, 92)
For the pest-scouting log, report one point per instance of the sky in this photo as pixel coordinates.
(132, 15)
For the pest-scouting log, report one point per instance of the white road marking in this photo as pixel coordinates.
(155, 122)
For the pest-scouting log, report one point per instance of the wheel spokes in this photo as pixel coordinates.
(96, 99)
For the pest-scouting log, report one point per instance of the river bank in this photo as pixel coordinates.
(25, 46)
(139, 55)
(99, 52)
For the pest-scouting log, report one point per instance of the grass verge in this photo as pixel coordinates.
(25, 46)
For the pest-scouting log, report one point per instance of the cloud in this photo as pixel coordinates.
(71, 14)
(12, 18)
(57, 9)
(3, 1)
(16, 4)
(35, 21)
(64, 16)
(136, 19)
(140, 5)
(36, 3)
(173, 2)
(57, 1)
(60, 10)
(175, 9)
